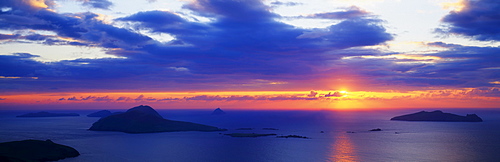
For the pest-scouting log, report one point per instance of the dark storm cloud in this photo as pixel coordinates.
(479, 19)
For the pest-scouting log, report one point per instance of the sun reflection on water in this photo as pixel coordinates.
(342, 149)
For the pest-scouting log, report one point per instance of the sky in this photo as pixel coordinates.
(249, 54)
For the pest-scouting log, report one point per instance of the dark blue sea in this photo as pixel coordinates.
(333, 136)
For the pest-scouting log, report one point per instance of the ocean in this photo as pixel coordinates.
(333, 136)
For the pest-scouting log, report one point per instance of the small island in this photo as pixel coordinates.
(293, 136)
(144, 119)
(438, 116)
(218, 111)
(249, 134)
(35, 150)
(47, 114)
(102, 113)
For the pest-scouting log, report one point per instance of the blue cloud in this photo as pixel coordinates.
(478, 19)
(100, 4)
(242, 42)
(459, 66)
(353, 12)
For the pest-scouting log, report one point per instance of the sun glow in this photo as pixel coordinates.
(311, 100)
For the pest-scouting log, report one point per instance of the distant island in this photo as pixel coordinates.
(249, 134)
(144, 119)
(35, 150)
(102, 113)
(438, 116)
(293, 136)
(47, 114)
(218, 111)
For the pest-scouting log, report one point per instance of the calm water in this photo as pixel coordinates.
(414, 141)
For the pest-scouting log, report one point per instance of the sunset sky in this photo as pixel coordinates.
(249, 54)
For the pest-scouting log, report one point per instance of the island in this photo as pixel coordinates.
(35, 150)
(293, 136)
(218, 111)
(438, 116)
(144, 119)
(102, 113)
(249, 134)
(47, 114)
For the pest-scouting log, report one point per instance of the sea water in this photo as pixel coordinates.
(333, 136)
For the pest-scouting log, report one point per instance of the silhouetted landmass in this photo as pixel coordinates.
(144, 119)
(293, 136)
(244, 129)
(218, 111)
(377, 129)
(270, 129)
(248, 135)
(35, 150)
(102, 113)
(438, 116)
(47, 114)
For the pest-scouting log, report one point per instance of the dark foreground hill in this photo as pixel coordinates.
(144, 119)
(438, 116)
(35, 150)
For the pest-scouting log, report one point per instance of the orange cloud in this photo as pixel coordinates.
(316, 99)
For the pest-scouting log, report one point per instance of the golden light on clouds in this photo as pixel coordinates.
(454, 6)
(403, 58)
(495, 82)
(311, 100)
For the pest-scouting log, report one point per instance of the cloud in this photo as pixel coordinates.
(458, 66)
(279, 3)
(312, 94)
(241, 43)
(99, 4)
(477, 19)
(84, 27)
(352, 12)
(334, 94)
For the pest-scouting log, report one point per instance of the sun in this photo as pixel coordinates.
(344, 93)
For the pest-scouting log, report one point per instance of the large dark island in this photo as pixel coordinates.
(35, 150)
(438, 116)
(144, 119)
